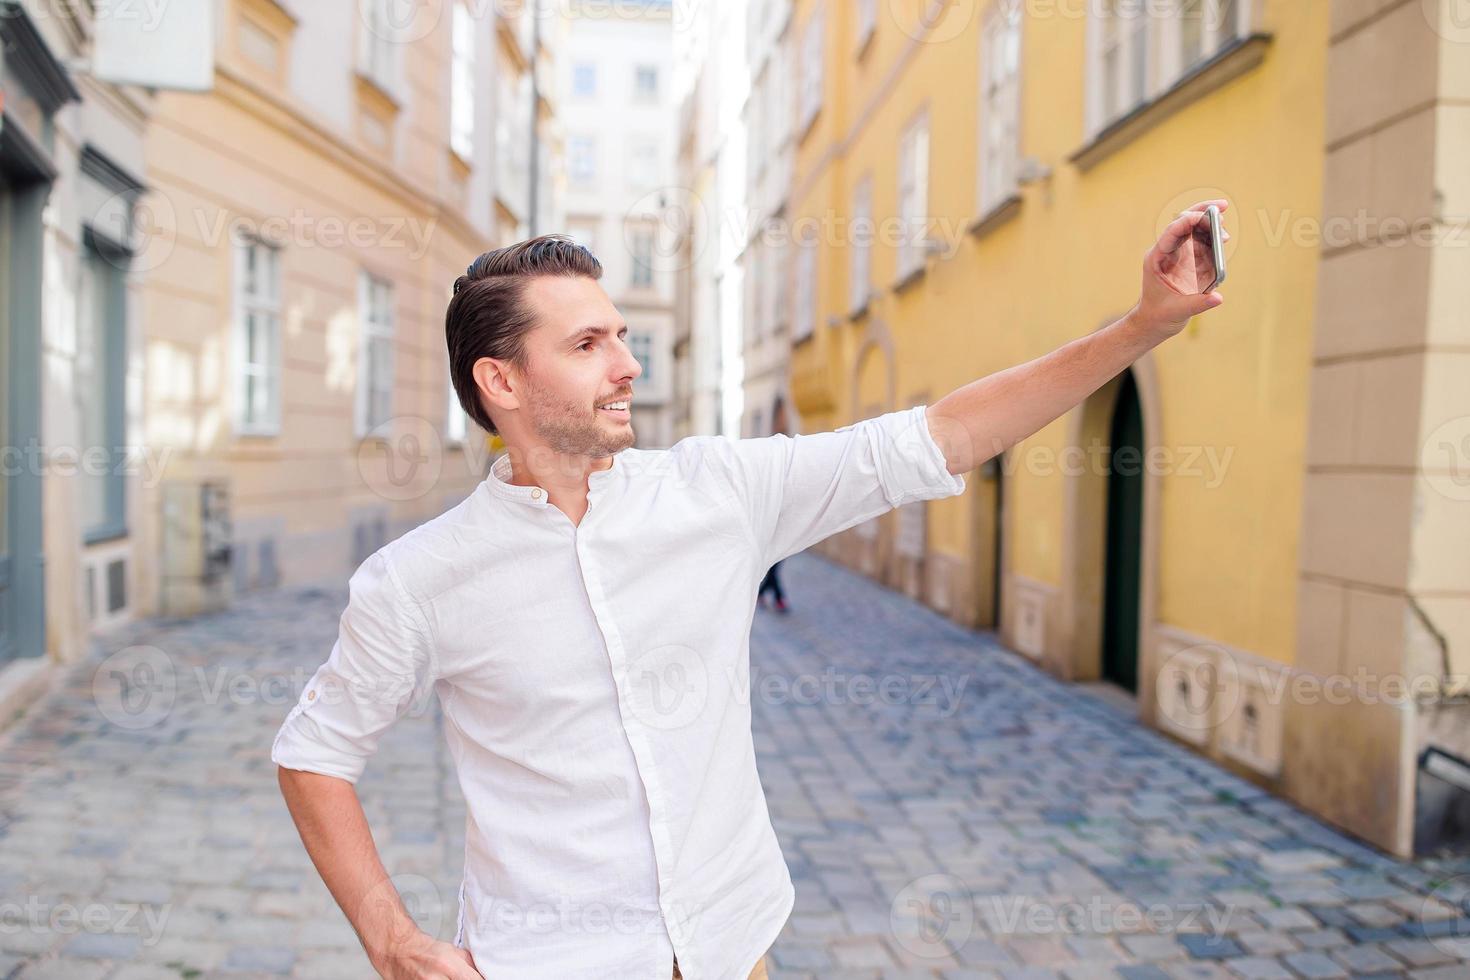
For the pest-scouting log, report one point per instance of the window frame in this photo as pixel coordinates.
(646, 96)
(244, 303)
(374, 334)
(860, 259)
(1000, 97)
(914, 160)
(575, 143)
(1161, 61)
(867, 24)
(636, 234)
(590, 67)
(804, 316)
(378, 50)
(463, 43)
(643, 338)
(813, 67)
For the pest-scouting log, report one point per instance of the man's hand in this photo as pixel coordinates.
(1174, 272)
(422, 957)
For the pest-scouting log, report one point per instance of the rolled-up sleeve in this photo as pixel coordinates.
(381, 660)
(801, 489)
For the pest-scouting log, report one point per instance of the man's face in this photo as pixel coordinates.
(577, 361)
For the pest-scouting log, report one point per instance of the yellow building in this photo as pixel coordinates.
(313, 211)
(1244, 517)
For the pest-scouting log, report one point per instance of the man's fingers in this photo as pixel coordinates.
(1218, 202)
(1178, 230)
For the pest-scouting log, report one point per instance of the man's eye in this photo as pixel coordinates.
(584, 344)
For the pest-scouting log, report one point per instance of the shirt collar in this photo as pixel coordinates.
(500, 485)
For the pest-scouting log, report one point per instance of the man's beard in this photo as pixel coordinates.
(571, 428)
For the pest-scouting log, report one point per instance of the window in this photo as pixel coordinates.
(584, 80)
(375, 355)
(867, 22)
(643, 169)
(779, 278)
(803, 321)
(771, 314)
(100, 372)
(641, 344)
(811, 69)
(1137, 53)
(860, 243)
(1124, 57)
(1000, 101)
(913, 196)
(582, 159)
(379, 44)
(257, 303)
(645, 83)
(1204, 27)
(455, 420)
(462, 90)
(641, 251)
(584, 234)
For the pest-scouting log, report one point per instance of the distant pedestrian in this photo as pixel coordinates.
(771, 583)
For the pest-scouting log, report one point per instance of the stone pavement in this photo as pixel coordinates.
(946, 810)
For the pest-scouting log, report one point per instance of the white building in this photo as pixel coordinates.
(617, 119)
(769, 257)
(713, 80)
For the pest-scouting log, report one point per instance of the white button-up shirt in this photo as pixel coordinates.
(595, 687)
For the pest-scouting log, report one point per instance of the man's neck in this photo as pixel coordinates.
(562, 475)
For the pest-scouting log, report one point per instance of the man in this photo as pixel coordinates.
(584, 618)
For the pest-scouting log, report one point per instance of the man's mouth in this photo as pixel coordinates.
(618, 409)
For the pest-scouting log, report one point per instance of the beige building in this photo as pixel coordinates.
(319, 203)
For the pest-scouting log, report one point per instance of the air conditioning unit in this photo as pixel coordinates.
(195, 568)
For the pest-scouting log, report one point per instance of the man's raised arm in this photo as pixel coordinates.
(984, 418)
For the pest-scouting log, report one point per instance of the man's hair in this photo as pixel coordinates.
(488, 315)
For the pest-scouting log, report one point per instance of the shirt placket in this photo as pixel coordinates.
(644, 757)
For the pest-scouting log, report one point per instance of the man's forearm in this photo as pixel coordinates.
(335, 830)
(984, 418)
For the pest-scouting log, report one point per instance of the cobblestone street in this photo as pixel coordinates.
(946, 811)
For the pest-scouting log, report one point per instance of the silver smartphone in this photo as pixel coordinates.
(1207, 235)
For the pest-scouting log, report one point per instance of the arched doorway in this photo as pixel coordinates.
(987, 496)
(1123, 551)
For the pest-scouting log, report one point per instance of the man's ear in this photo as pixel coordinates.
(498, 383)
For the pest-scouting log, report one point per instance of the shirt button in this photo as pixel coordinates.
(310, 695)
(536, 494)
